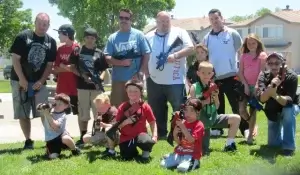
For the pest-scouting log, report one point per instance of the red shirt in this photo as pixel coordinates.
(131, 131)
(66, 81)
(195, 149)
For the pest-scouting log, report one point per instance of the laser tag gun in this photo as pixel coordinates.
(130, 112)
(96, 126)
(195, 38)
(208, 90)
(281, 73)
(162, 57)
(178, 115)
(127, 54)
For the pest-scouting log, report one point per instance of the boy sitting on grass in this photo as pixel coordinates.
(187, 154)
(54, 121)
(106, 114)
(209, 115)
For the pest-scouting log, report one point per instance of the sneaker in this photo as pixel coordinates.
(288, 153)
(106, 150)
(79, 143)
(108, 154)
(28, 144)
(76, 151)
(53, 156)
(231, 147)
(246, 134)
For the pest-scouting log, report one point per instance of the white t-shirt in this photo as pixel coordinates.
(172, 73)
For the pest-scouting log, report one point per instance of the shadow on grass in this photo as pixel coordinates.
(12, 151)
(40, 158)
(93, 155)
(266, 152)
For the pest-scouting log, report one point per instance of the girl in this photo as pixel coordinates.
(253, 60)
(201, 55)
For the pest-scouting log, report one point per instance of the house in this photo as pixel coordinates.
(279, 31)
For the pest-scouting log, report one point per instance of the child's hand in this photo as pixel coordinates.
(179, 123)
(206, 101)
(176, 130)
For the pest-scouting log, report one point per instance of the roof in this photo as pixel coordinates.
(290, 16)
(197, 23)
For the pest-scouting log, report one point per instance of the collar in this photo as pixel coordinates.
(217, 33)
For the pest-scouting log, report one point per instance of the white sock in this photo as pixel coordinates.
(229, 141)
(145, 154)
(111, 151)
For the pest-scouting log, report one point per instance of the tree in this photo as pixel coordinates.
(12, 21)
(103, 14)
(258, 13)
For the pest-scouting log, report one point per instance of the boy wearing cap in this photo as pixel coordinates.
(133, 129)
(66, 79)
(88, 62)
(54, 121)
(188, 152)
(277, 88)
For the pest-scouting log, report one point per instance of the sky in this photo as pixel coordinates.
(183, 9)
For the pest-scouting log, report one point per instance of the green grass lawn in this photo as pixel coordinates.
(248, 160)
(5, 86)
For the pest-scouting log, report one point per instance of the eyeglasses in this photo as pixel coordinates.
(124, 18)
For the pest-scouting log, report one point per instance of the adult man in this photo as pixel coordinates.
(223, 44)
(67, 80)
(277, 89)
(127, 51)
(166, 80)
(89, 64)
(33, 54)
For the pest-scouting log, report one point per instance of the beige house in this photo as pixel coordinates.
(279, 31)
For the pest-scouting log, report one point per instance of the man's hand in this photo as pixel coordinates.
(37, 85)
(154, 138)
(276, 81)
(272, 92)
(171, 58)
(138, 76)
(126, 62)
(24, 84)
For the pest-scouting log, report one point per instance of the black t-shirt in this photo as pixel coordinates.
(94, 59)
(192, 73)
(287, 88)
(35, 52)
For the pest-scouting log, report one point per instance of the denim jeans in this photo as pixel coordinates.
(158, 97)
(282, 133)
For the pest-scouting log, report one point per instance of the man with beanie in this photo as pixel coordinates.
(277, 88)
(66, 80)
(88, 62)
(127, 50)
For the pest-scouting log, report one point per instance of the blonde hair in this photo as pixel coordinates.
(103, 98)
(205, 64)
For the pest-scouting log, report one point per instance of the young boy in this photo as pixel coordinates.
(134, 114)
(187, 154)
(209, 115)
(106, 114)
(54, 121)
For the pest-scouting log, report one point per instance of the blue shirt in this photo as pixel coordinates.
(120, 44)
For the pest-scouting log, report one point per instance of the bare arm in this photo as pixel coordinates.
(102, 75)
(144, 67)
(74, 70)
(187, 134)
(153, 127)
(47, 72)
(184, 52)
(192, 92)
(113, 61)
(54, 124)
(17, 66)
(241, 72)
(175, 135)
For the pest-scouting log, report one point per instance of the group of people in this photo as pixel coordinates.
(160, 55)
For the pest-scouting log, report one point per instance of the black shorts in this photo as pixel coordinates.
(74, 107)
(128, 149)
(55, 145)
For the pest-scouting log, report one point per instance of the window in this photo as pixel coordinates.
(269, 31)
(243, 32)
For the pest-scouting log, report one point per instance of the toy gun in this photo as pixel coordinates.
(130, 54)
(111, 133)
(207, 92)
(175, 117)
(281, 73)
(195, 38)
(162, 57)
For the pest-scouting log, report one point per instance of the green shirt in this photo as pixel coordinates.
(208, 114)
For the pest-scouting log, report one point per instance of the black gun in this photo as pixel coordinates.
(129, 54)
(195, 38)
(175, 117)
(281, 73)
(162, 57)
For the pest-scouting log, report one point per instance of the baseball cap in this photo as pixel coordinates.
(276, 55)
(90, 32)
(67, 29)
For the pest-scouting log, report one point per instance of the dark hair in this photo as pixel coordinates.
(213, 11)
(203, 47)
(127, 11)
(136, 83)
(195, 103)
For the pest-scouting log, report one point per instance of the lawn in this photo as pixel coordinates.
(248, 160)
(5, 86)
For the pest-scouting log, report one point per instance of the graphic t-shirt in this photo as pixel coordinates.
(49, 132)
(196, 129)
(94, 60)
(131, 131)
(66, 81)
(35, 52)
(127, 45)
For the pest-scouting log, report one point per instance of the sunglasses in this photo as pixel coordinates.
(124, 18)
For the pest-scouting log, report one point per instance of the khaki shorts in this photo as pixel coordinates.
(101, 139)
(85, 103)
(118, 93)
(23, 107)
